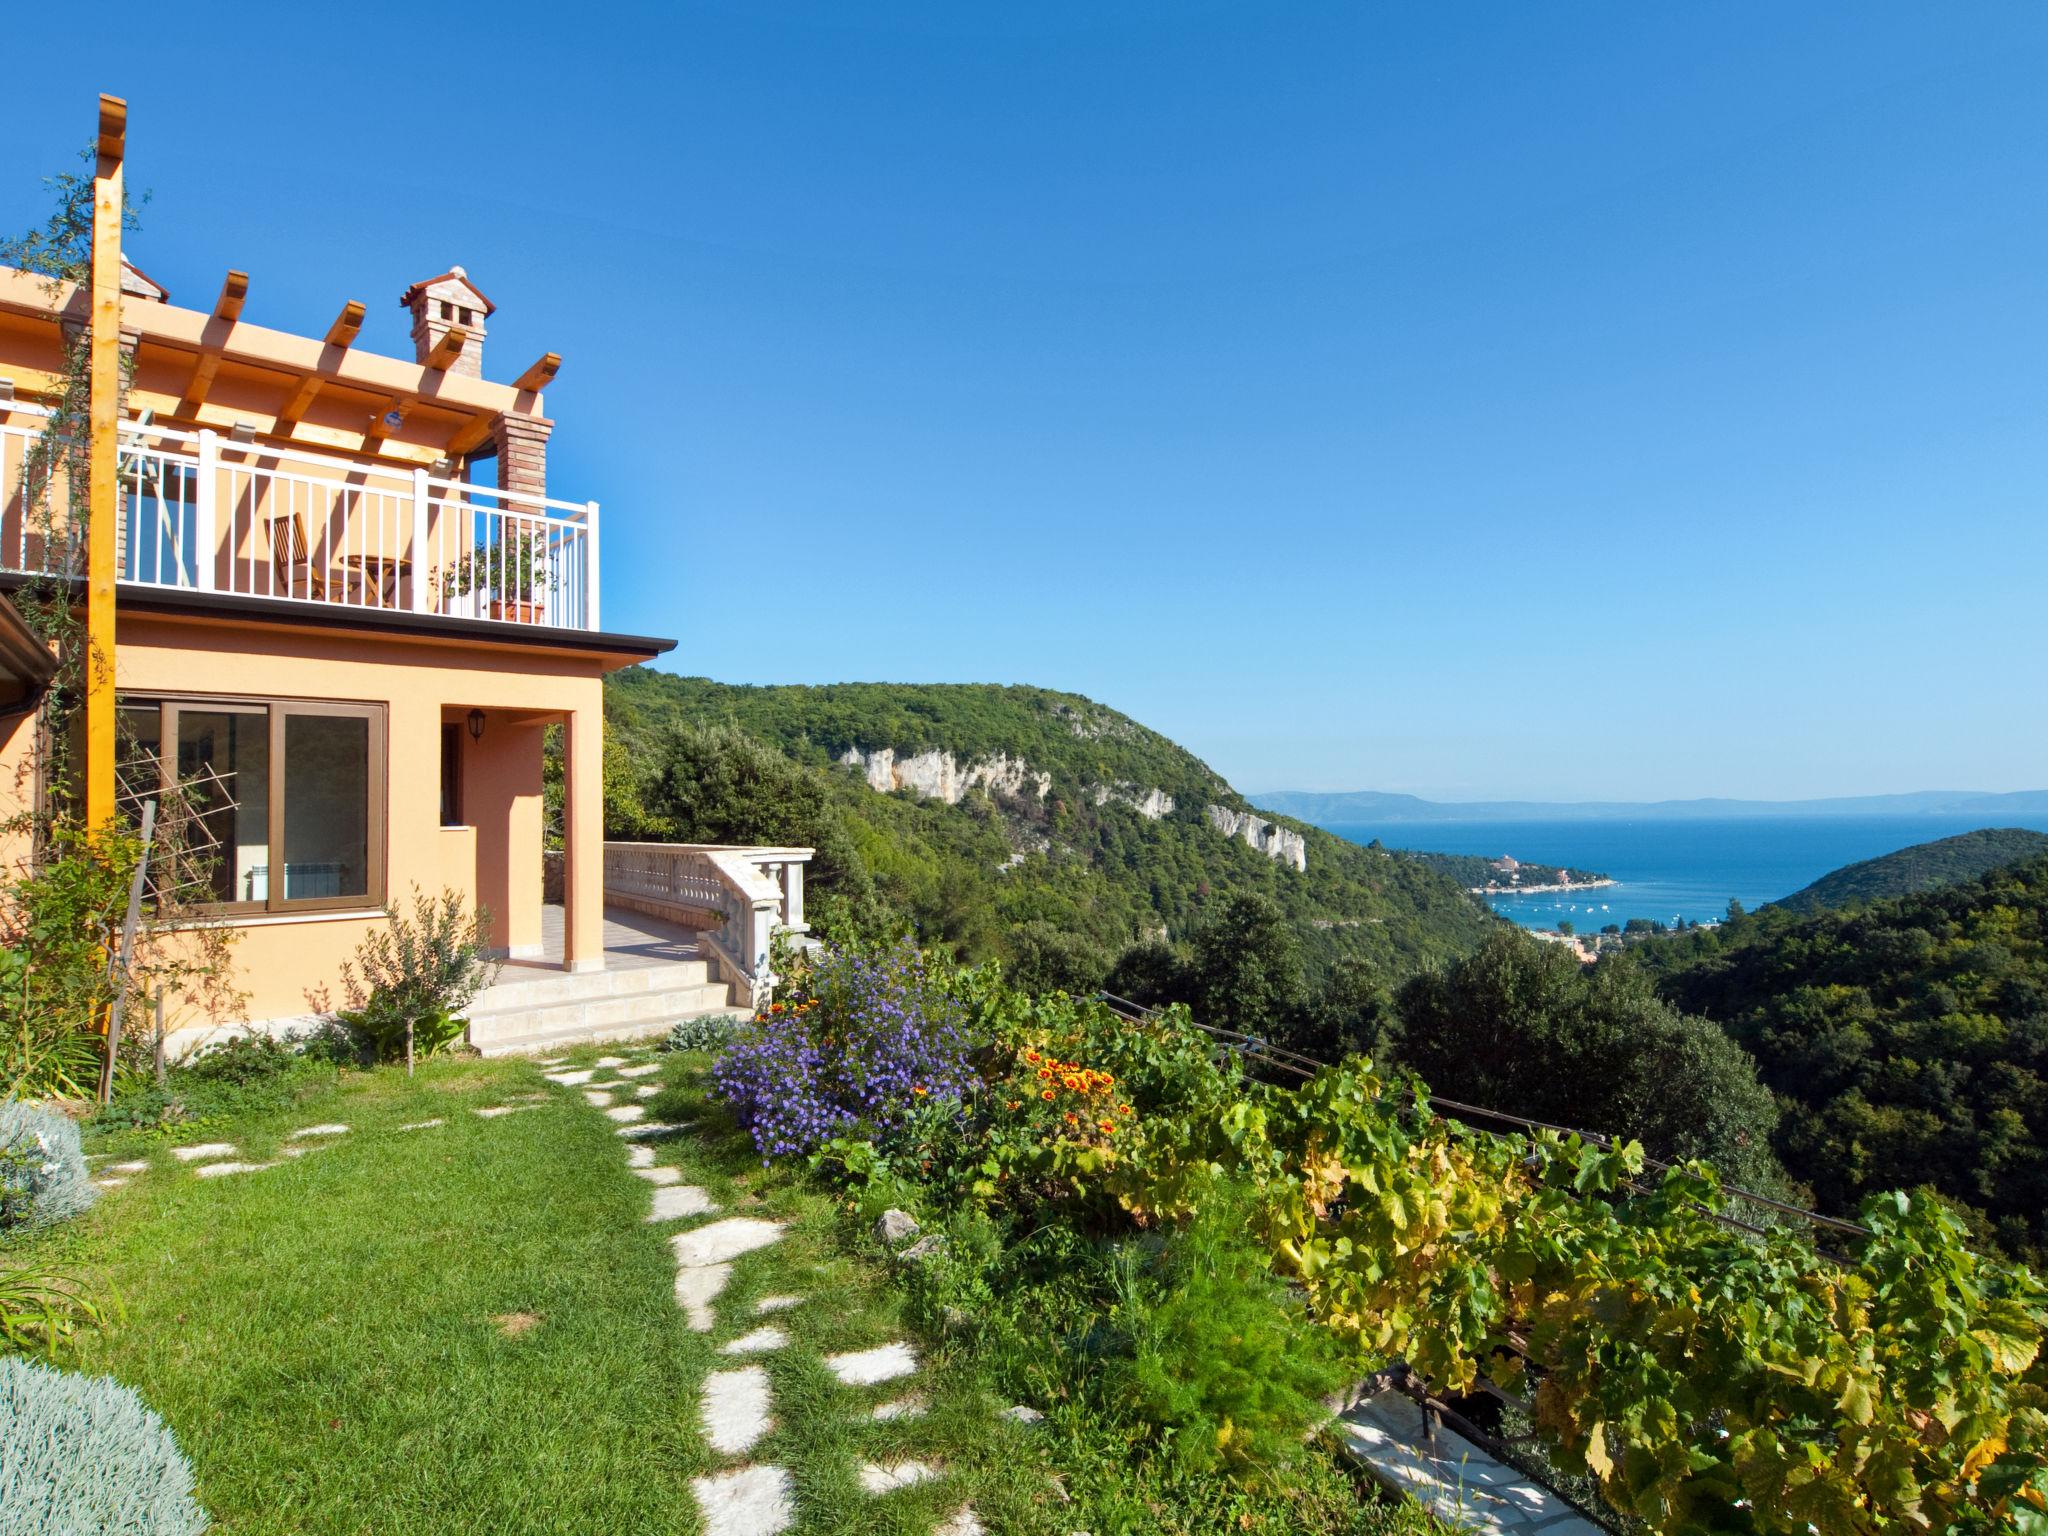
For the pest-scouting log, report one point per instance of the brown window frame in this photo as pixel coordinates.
(277, 711)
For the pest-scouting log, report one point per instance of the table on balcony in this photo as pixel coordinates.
(381, 573)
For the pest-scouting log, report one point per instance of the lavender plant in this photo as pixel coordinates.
(42, 1173)
(866, 1041)
(82, 1453)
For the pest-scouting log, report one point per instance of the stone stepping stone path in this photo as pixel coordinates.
(422, 1125)
(673, 1202)
(653, 1130)
(217, 1170)
(204, 1149)
(759, 1342)
(866, 1367)
(735, 1410)
(877, 1478)
(495, 1110)
(754, 1501)
(736, 1406)
(318, 1130)
(140, 1165)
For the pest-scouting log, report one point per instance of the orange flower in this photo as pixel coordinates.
(1048, 1094)
(1072, 1118)
(1031, 1056)
(1107, 1080)
(1011, 1105)
(1071, 1082)
(1105, 1128)
(920, 1090)
(1045, 1074)
(1123, 1109)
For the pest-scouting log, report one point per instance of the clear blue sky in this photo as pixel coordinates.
(1567, 401)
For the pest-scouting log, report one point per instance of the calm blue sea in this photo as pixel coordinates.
(1669, 869)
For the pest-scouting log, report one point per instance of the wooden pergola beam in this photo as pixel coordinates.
(541, 373)
(227, 309)
(103, 417)
(341, 334)
(228, 306)
(447, 349)
(346, 325)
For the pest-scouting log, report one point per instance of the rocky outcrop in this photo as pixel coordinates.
(937, 775)
(1152, 804)
(1275, 842)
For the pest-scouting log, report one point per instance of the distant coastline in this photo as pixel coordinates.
(1376, 808)
(1539, 890)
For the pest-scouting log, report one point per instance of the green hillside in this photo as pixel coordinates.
(1922, 867)
(1907, 1040)
(1060, 882)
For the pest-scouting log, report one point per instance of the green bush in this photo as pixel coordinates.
(242, 1060)
(412, 979)
(706, 1032)
(42, 1172)
(1219, 1362)
(82, 1456)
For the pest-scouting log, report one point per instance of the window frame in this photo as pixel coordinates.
(276, 712)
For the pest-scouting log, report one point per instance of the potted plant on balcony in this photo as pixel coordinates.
(511, 568)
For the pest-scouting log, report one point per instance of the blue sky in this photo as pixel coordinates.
(1573, 401)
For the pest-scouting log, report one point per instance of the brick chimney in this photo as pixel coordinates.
(443, 304)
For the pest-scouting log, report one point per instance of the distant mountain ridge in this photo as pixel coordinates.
(1373, 807)
(1922, 867)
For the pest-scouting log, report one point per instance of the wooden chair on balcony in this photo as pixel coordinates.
(291, 558)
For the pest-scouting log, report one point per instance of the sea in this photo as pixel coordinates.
(1669, 869)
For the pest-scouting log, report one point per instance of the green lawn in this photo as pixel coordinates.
(471, 1327)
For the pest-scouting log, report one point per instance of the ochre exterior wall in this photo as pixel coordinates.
(288, 964)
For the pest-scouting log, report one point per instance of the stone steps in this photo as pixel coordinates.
(580, 1010)
(520, 988)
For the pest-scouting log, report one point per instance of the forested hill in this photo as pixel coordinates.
(1907, 1039)
(1921, 867)
(1021, 823)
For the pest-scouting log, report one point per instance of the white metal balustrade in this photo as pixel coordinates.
(203, 513)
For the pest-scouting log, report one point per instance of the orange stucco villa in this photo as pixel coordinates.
(328, 600)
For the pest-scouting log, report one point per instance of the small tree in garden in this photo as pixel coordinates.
(409, 982)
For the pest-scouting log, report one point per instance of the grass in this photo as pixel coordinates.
(471, 1327)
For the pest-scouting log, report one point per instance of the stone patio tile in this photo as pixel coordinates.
(759, 1342)
(659, 1175)
(877, 1478)
(679, 1200)
(865, 1367)
(626, 1114)
(335, 1129)
(754, 1501)
(723, 1240)
(203, 1149)
(215, 1170)
(696, 1289)
(735, 1410)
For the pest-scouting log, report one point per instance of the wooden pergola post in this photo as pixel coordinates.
(103, 490)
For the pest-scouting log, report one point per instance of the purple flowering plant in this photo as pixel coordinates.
(861, 1043)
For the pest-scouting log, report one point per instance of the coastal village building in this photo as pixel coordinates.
(360, 641)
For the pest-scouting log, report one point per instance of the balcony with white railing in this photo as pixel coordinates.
(203, 513)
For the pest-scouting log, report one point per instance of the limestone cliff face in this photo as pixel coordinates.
(937, 775)
(1274, 842)
(1152, 804)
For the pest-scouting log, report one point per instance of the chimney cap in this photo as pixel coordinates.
(452, 275)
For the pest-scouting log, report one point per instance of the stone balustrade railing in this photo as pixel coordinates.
(737, 899)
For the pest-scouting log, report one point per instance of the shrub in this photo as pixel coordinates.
(242, 1060)
(82, 1454)
(705, 1032)
(42, 1171)
(416, 975)
(865, 1040)
(1220, 1362)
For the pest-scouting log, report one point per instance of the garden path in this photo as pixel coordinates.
(735, 1401)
